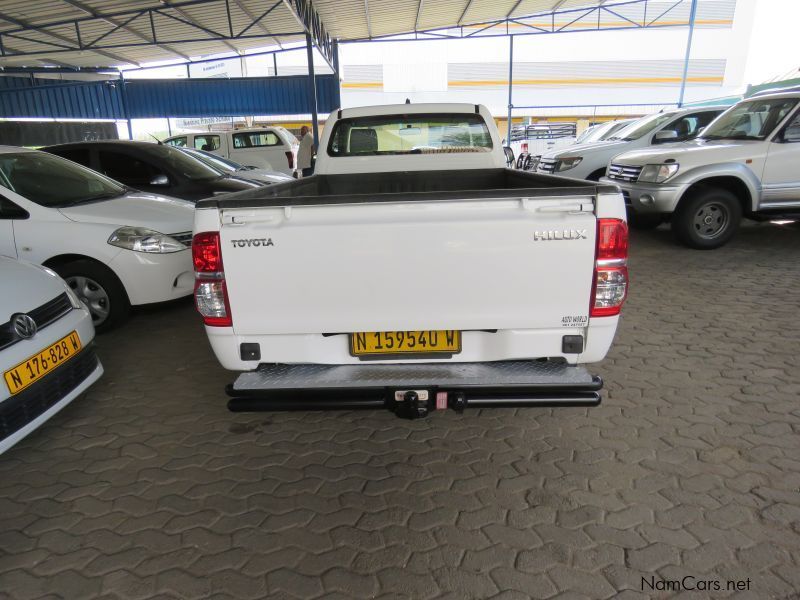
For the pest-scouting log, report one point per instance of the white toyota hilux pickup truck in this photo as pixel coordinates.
(412, 271)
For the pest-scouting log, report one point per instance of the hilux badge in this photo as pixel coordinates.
(559, 234)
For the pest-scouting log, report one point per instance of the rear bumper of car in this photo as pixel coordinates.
(477, 346)
(414, 390)
(648, 197)
(150, 278)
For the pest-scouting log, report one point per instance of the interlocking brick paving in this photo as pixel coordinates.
(147, 486)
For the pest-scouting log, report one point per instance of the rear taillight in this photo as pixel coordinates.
(210, 291)
(290, 158)
(610, 285)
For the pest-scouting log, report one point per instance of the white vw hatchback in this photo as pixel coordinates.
(114, 246)
(46, 353)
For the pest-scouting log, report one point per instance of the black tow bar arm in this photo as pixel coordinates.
(411, 406)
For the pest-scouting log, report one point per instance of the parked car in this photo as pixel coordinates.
(271, 148)
(602, 131)
(595, 133)
(589, 161)
(228, 167)
(745, 163)
(115, 246)
(46, 353)
(413, 272)
(154, 168)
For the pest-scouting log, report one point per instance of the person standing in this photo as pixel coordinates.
(305, 151)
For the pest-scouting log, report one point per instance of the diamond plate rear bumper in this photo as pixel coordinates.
(506, 383)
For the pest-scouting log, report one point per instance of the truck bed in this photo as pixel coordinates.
(405, 186)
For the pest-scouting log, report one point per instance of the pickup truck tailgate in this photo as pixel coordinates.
(417, 265)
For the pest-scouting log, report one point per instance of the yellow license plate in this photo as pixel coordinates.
(371, 343)
(39, 365)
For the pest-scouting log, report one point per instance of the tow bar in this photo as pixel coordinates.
(413, 391)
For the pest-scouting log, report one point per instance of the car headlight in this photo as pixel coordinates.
(141, 239)
(565, 164)
(658, 173)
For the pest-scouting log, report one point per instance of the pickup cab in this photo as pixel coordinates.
(413, 271)
(270, 148)
(743, 164)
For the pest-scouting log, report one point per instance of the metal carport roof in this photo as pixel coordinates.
(92, 33)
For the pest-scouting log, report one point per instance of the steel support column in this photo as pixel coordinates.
(692, 17)
(510, 85)
(335, 48)
(123, 94)
(312, 91)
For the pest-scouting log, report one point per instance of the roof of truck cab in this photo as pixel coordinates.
(410, 109)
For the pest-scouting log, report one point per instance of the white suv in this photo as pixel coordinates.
(589, 161)
(745, 163)
(271, 148)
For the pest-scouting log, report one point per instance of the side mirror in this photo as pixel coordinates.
(509, 156)
(160, 180)
(666, 135)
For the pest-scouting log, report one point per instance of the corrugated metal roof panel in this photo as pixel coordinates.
(95, 100)
(153, 98)
(343, 19)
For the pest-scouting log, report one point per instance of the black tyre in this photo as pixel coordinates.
(644, 221)
(707, 219)
(99, 289)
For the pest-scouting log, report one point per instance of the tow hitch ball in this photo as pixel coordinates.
(416, 404)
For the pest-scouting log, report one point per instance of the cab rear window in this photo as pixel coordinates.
(410, 134)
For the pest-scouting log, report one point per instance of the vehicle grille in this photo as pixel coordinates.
(547, 165)
(623, 172)
(44, 315)
(17, 411)
(184, 237)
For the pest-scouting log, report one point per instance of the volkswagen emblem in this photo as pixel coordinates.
(24, 326)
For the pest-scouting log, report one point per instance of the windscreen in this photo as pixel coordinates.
(642, 127)
(752, 120)
(212, 160)
(53, 181)
(180, 161)
(410, 134)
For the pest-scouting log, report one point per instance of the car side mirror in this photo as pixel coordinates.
(666, 135)
(160, 180)
(509, 156)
